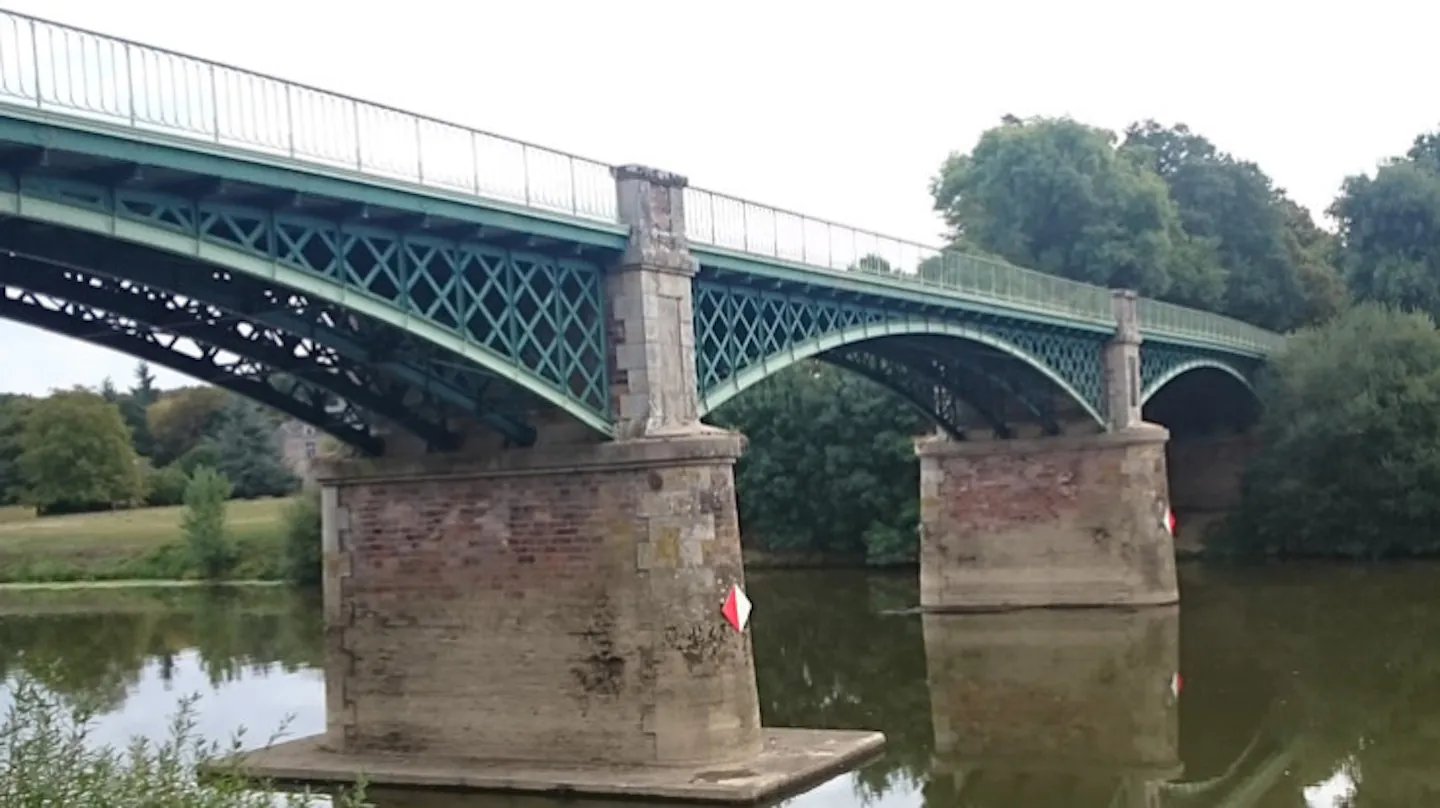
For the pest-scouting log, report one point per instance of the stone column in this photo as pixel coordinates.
(1057, 521)
(651, 327)
(1122, 363)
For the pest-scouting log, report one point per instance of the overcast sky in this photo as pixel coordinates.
(843, 111)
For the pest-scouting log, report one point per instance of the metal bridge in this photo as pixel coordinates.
(341, 260)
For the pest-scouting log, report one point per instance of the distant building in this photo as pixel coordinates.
(299, 444)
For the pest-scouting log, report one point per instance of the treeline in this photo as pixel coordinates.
(1350, 457)
(85, 450)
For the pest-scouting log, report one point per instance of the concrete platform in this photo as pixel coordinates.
(793, 761)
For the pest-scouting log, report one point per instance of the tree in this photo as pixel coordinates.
(304, 556)
(1057, 196)
(211, 550)
(1253, 230)
(1349, 457)
(13, 410)
(134, 405)
(76, 454)
(830, 467)
(1390, 230)
(179, 420)
(249, 452)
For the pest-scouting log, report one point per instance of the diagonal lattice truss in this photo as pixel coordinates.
(407, 381)
(538, 316)
(741, 329)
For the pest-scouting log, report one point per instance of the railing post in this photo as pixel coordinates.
(1122, 363)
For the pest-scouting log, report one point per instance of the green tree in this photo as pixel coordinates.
(830, 466)
(134, 404)
(211, 549)
(180, 419)
(1258, 239)
(1058, 196)
(13, 410)
(303, 551)
(76, 454)
(1390, 230)
(249, 452)
(1349, 457)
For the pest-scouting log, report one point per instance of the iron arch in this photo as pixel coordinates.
(907, 326)
(191, 246)
(1192, 365)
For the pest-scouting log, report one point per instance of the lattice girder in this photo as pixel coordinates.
(387, 352)
(1159, 364)
(741, 327)
(925, 387)
(1011, 392)
(312, 363)
(541, 314)
(248, 378)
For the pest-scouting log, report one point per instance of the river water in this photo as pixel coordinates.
(1280, 686)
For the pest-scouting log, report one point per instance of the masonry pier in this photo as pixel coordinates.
(549, 619)
(1061, 521)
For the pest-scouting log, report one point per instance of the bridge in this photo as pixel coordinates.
(527, 558)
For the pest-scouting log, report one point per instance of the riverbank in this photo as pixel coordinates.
(141, 544)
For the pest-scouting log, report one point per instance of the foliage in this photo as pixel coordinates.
(48, 757)
(1349, 461)
(830, 466)
(303, 551)
(211, 550)
(249, 452)
(1057, 196)
(166, 486)
(12, 425)
(76, 453)
(1390, 230)
(180, 419)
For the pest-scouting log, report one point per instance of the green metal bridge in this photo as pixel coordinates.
(341, 260)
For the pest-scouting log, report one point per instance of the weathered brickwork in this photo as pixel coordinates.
(1096, 680)
(542, 606)
(1060, 521)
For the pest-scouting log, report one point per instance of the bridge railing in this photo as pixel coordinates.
(61, 69)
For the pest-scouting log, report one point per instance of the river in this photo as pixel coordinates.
(1279, 686)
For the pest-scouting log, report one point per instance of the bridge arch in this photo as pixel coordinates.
(856, 335)
(1191, 366)
(192, 247)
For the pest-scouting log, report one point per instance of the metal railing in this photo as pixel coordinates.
(57, 68)
(61, 69)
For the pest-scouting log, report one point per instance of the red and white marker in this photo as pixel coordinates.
(1176, 683)
(1169, 522)
(736, 608)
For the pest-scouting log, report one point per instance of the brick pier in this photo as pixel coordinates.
(549, 619)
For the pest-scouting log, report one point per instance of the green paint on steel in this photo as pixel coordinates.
(1176, 371)
(769, 365)
(47, 130)
(194, 231)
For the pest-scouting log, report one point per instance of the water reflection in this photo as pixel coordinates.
(1301, 685)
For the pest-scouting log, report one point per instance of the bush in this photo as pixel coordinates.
(211, 550)
(47, 757)
(1348, 462)
(303, 553)
(166, 486)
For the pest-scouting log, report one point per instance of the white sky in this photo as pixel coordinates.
(842, 111)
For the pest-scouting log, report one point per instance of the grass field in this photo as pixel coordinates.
(138, 543)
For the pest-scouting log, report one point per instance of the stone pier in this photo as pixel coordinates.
(549, 619)
(1062, 521)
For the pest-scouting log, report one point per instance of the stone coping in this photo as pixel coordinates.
(710, 446)
(943, 446)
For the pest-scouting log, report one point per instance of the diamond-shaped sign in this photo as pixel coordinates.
(1169, 521)
(736, 608)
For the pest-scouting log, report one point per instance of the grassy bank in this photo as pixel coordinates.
(143, 543)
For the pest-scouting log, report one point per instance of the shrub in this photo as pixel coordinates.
(303, 553)
(211, 550)
(166, 486)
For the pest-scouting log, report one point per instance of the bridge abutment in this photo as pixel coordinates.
(1205, 477)
(552, 618)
